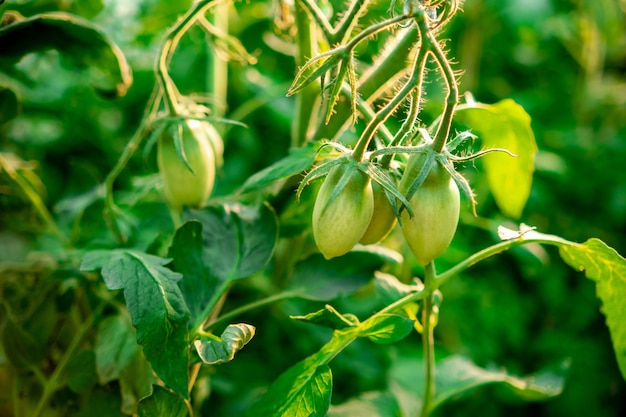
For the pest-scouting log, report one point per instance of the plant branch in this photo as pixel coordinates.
(313, 9)
(51, 385)
(305, 101)
(428, 343)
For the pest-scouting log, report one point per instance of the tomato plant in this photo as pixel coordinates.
(199, 200)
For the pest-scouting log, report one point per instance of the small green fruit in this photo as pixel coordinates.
(341, 215)
(181, 186)
(383, 219)
(436, 206)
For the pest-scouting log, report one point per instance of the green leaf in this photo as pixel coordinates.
(607, 268)
(390, 289)
(214, 350)
(238, 240)
(304, 390)
(162, 403)
(329, 317)
(81, 372)
(79, 40)
(318, 279)
(504, 125)
(136, 382)
(9, 105)
(298, 160)
(156, 307)
(20, 347)
(116, 347)
(457, 375)
(379, 404)
(186, 251)
(386, 328)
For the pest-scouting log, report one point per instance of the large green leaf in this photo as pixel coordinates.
(162, 403)
(186, 251)
(504, 125)
(607, 268)
(213, 350)
(238, 240)
(78, 40)
(304, 390)
(457, 375)
(156, 306)
(318, 279)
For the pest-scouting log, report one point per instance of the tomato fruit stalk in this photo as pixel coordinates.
(343, 210)
(436, 206)
(182, 186)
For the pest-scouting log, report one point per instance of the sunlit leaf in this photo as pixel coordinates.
(298, 160)
(304, 390)
(329, 317)
(214, 350)
(390, 289)
(156, 306)
(78, 40)
(386, 328)
(607, 268)
(162, 403)
(504, 125)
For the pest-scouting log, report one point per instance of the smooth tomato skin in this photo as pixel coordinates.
(383, 218)
(436, 207)
(206, 131)
(339, 224)
(182, 187)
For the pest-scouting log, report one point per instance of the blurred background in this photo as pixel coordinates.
(564, 61)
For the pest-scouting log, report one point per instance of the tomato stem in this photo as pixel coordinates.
(305, 101)
(428, 342)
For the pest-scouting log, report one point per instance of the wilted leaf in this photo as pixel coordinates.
(220, 350)
(79, 40)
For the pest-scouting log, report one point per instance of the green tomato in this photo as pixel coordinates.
(181, 186)
(383, 219)
(436, 206)
(341, 215)
(206, 131)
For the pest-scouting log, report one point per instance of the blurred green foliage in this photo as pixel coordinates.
(564, 61)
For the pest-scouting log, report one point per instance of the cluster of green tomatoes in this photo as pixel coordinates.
(350, 208)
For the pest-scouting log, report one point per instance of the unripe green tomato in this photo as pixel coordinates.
(383, 218)
(202, 128)
(338, 224)
(181, 186)
(436, 206)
